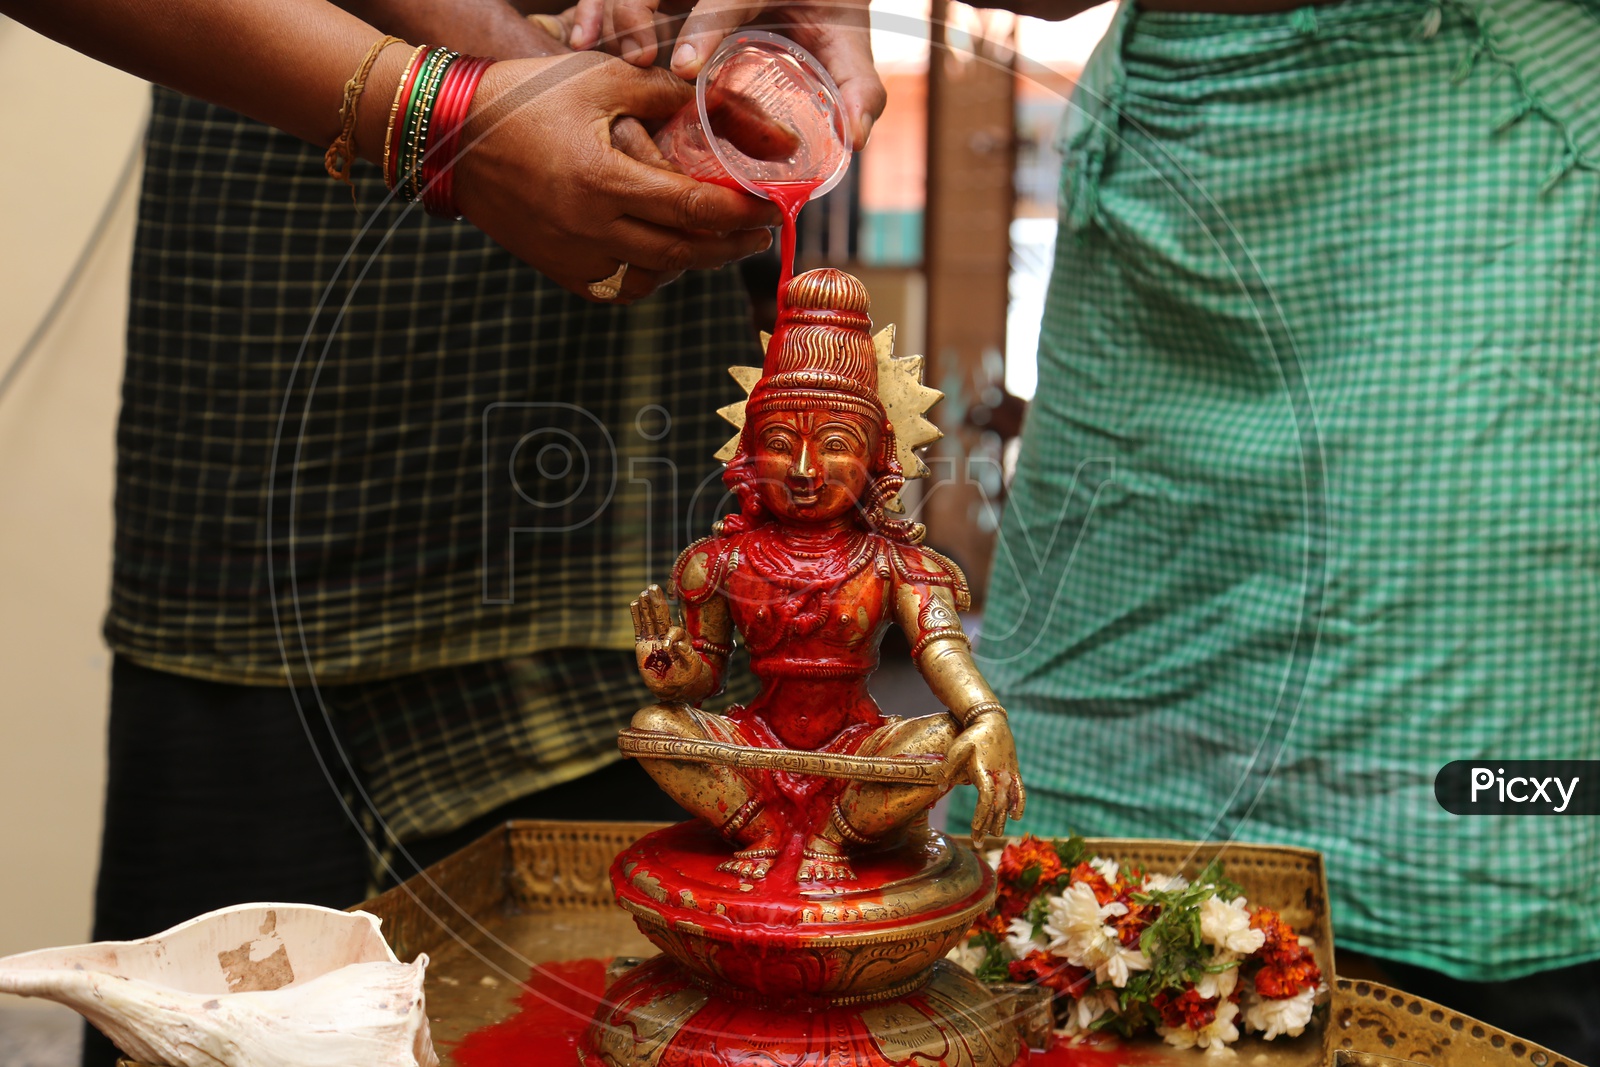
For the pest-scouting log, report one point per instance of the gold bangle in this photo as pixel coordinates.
(982, 707)
(705, 647)
(931, 636)
(394, 107)
(341, 155)
(846, 831)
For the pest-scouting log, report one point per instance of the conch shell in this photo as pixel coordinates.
(258, 985)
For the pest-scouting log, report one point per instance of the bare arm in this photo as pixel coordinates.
(476, 27)
(540, 175)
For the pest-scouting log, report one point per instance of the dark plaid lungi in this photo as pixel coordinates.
(371, 452)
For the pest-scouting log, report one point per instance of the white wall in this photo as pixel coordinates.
(68, 127)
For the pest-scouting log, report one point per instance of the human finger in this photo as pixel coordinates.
(704, 29)
(664, 249)
(745, 122)
(678, 202)
(587, 18)
(642, 92)
(633, 30)
(556, 27)
(846, 52)
(637, 283)
(629, 137)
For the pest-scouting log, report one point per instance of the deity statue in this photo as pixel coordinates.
(810, 573)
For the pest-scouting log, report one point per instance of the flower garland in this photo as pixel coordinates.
(1127, 951)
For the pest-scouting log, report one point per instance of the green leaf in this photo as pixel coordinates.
(1073, 851)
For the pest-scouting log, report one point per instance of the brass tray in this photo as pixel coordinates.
(538, 892)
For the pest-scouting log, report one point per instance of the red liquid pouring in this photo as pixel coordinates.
(790, 198)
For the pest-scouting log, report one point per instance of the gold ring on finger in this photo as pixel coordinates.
(609, 288)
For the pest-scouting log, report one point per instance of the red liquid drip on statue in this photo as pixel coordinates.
(790, 198)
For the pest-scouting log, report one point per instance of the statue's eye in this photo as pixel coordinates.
(778, 444)
(837, 444)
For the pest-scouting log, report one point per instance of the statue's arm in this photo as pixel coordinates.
(710, 628)
(939, 647)
(984, 754)
(683, 663)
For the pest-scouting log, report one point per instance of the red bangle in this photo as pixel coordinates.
(391, 173)
(449, 116)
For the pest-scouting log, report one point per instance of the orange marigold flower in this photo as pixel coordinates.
(1052, 972)
(1287, 965)
(1131, 924)
(1186, 1010)
(991, 923)
(1029, 863)
(1010, 902)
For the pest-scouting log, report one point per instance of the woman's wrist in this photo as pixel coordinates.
(372, 110)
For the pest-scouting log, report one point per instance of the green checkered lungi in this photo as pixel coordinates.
(1309, 498)
(423, 477)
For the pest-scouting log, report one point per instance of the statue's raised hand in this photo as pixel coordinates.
(667, 659)
(985, 755)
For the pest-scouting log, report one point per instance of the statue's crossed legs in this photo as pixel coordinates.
(745, 808)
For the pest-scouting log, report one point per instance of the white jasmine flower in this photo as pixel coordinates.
(1021, 940)
(1287, 1016)
(967, 955)
(1214, 1036)
(1165, 883)
(1226, 925)
(992, 858)
(1106, 868)
(1076, 924)
(1219, 984)
(1088, 1008)
(1077, 928)
(1119, 965)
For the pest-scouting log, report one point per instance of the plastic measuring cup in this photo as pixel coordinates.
(766, 116)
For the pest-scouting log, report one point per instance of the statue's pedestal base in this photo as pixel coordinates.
(838, 974)
(657, 1015)
(869, 938)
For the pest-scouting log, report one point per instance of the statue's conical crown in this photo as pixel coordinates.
(823, 342)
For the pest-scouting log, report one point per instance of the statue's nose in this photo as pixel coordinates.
(804, 467)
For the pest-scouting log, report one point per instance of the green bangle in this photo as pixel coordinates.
(405, 182)
(436, 79)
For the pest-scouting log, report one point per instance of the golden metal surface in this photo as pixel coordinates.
(900, 389)
(920, 769)
(1367, 1026)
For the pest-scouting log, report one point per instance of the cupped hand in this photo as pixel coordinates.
(985, 755)
(837, 32)
(666, 656)
(542, 177)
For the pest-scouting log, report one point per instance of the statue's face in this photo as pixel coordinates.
(812, 467)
